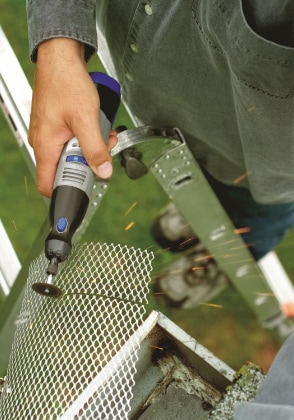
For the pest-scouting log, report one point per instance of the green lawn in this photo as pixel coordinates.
(231, 332)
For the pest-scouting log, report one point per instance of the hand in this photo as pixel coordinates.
(65, 104)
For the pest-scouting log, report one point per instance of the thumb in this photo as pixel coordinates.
(94, 148)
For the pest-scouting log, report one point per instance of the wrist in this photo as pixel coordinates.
(62, 49)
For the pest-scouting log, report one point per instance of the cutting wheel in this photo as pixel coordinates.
(46, 289)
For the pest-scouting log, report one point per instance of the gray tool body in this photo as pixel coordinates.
(74, 183)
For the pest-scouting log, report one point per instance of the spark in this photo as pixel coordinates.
(185, 226)
(241, 261)
(254, 275)
(131, 208)
(226, 256)
(160, 293)
(14, 224)
(241, 247)
(241, 177)
(187, 241)
(242, 230)
(26, 185)
(161, 250)
(149, 247)
(206, 257)
(223, 243)
(213, 305)
(129, 226)
(157, 276)
(264, 294)
(156, 347)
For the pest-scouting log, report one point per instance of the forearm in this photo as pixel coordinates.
(75, 19)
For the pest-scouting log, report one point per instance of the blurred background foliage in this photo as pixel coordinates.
(230, 330)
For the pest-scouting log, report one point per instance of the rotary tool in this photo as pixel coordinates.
(73, 185)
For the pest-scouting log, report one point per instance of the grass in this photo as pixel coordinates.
(231, 332)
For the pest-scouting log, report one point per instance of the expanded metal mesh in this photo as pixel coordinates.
(75, 356)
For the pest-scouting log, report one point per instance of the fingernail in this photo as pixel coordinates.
(104, 170)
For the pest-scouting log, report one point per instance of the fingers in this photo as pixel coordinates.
(46, 166)
(47, 154)
(48, 146)
(112, 140)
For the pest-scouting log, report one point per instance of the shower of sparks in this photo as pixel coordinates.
(242, 230)
(241, 177)
(129, 226)
(26, 185)
(131, 208)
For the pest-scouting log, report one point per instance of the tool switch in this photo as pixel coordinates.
(62, 224)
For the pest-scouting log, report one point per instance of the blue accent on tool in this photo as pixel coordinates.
(77, 159)
(61, 224)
